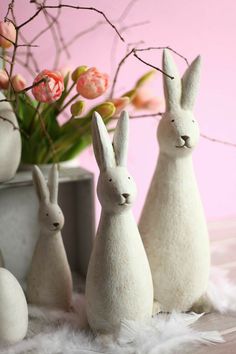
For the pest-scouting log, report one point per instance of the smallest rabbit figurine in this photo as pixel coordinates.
(49, 282)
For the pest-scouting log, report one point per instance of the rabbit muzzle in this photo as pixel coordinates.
(125, 199)
(183, 142)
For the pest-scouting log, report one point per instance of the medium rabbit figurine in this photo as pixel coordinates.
(49, 282)
(13, 310)
(172, 224)
(119, 283)
(10, 141)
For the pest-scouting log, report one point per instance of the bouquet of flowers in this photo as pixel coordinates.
(38, 107)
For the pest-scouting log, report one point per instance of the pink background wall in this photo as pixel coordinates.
(191, 27)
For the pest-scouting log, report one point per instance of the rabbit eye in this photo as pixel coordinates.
(128, 177)
(46, 214)
(193, 121)
(172, 120)
(110, 179)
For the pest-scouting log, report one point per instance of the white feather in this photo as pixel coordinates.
(54, 332)
(221, 291)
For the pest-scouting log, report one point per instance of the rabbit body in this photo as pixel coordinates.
(119, 280)
(172, 223)
(10, 142)
(49, 282)
(119, 283)
(13, 310)
(175, 235)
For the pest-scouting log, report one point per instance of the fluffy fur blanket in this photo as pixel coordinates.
(56, 332)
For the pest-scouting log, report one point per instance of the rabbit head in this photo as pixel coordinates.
(178, 130)
(116, 188)
(50, 214)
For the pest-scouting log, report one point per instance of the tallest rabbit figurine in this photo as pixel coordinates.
(172, 224)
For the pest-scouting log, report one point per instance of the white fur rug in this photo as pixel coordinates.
(56, 332)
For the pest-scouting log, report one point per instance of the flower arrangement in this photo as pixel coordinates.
(38, 107)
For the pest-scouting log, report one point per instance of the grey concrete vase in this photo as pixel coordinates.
(10, 141)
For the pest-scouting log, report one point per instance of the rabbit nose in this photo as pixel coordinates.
(185, 137)
(56, 224)
(125, 195)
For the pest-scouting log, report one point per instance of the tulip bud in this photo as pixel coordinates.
(78, 71)
(7, 30)
(4, 80)
(18, 83)
(120, 104)
(106, 109)
(77, 108)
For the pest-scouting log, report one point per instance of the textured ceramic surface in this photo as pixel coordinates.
(13, 309)
(119, 284)
(10, 142)
(49, 282)
(172, 223)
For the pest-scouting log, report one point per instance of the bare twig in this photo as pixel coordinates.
(69, 102)
(165, 47)
(6, 100)
(218, 140)
(71, 7)
(13, 125)
(126, 11)
(4, 58)
(152, 66)
(133, 52)
(159, 114)
(9, 9)
(45, 79)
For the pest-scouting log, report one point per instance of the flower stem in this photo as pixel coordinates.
(68, 103)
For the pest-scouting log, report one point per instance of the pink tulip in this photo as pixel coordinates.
(120, 104)
(18, 83)
(50, 90)
(144, 99)
(4, 80)
(7, 30)
(92, 83)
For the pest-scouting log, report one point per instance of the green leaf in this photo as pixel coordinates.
(145, 78)
(131, 94)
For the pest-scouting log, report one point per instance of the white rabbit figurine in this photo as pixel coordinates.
(13, 310)
(172, 224)
(49, 282)
(10, 141)
(119, 283)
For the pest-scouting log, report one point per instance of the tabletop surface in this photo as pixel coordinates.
(223, 246)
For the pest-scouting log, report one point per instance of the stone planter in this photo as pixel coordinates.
(18, 219)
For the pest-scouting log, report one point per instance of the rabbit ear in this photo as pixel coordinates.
(40, 185)
(190, 82)
(53, 184)
(102, 146)
(120, 139)
(172, 87)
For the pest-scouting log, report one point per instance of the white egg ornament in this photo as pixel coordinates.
(13, 309)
